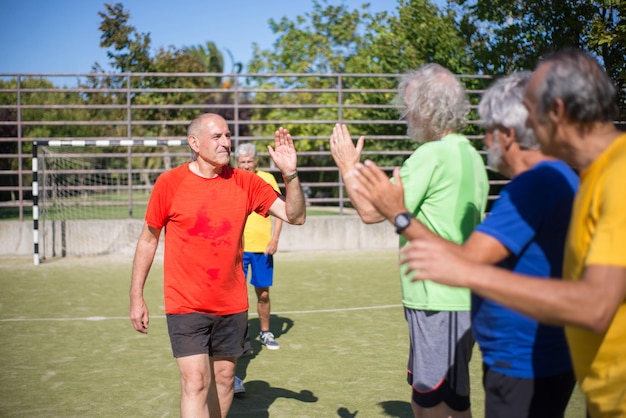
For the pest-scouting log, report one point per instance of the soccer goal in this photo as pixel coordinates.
(89, 197)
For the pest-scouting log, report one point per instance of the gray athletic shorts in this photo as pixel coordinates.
(440, 352)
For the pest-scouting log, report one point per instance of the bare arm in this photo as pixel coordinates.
(144, 256)
(293, 208)
(589, 303)
(372, 184)
(273, 244)
(346, 157)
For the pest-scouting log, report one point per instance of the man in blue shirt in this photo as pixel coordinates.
(527, 367)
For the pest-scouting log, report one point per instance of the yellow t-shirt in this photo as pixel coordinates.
(258, 231)
(597, 236)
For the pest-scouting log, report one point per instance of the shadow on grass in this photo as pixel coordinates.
(278, 325)
(260, 395)
(345, 413)
(399, 409)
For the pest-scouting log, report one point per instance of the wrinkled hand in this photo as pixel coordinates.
(271, 248)
(284, 152)
(373, 184)
(139, 315)
(428, 258)
(345, 154)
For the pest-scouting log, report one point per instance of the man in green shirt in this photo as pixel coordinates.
(446, 188)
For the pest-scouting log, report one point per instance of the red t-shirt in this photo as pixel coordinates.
(204, 221)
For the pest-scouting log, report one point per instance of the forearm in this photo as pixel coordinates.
(414, 230)
(141, 267)
(295, 206)
(276, 229)
(366, 210)
(142, 262)
(551, 301)
(479, 247)
(272, 246)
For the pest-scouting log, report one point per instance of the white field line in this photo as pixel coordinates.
(251, 314)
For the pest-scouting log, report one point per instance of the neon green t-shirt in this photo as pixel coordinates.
(258, 231)
(445, 187)
(597, 236)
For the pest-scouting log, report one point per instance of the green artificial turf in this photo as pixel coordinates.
(69, 350)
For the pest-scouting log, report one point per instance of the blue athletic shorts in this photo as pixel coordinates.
(262, 267)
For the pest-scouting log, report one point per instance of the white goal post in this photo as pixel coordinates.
(83, 188)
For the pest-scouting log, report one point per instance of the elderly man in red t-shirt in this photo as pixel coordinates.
(204, 205)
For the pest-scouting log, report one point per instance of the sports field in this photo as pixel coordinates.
(68, 348)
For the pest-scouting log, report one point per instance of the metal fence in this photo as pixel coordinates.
(111, 113)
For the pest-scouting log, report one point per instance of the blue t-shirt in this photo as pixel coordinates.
(531, 219)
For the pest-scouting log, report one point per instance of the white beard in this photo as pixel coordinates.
(494, 153)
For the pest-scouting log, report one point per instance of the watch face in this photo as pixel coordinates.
(402, 221)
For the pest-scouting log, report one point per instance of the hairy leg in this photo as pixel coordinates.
(263, 307)
(195, 381)
(224, 378)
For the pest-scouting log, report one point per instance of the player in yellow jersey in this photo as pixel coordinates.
(260, 244)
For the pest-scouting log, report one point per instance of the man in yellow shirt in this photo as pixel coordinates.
(260, 244)
(572, 105)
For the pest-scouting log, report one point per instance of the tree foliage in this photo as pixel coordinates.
(129, 50)
(507, 35)
(335, 42)
(39, 92)
(351, 59)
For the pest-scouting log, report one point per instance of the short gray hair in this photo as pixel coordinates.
(577, 78)
(502, 105)
(246, 150)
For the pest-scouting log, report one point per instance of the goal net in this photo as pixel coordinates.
(92, 198)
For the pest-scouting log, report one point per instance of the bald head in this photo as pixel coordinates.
(196, 125)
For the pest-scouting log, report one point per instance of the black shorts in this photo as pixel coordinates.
(543, 397)
(217, 336)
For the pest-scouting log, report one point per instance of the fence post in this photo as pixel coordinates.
(129, 135)
(340, 120)
(35, 205)
(20, 140)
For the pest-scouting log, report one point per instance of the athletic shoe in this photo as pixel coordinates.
(239, 386)
(267, 339)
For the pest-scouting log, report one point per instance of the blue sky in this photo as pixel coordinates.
(62, 36)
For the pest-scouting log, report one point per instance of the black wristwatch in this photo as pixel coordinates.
(402, 221)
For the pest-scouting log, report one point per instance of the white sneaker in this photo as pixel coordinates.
(239, 386)
(267, 339)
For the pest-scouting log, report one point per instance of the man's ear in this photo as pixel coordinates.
(506, 137)
(556, 113)
(193, 142)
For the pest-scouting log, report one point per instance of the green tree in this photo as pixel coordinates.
(506, 36)
(337, 41)
(148, 77)
(129, 50)
(210, 57)
(68, 108)
(212, 61)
